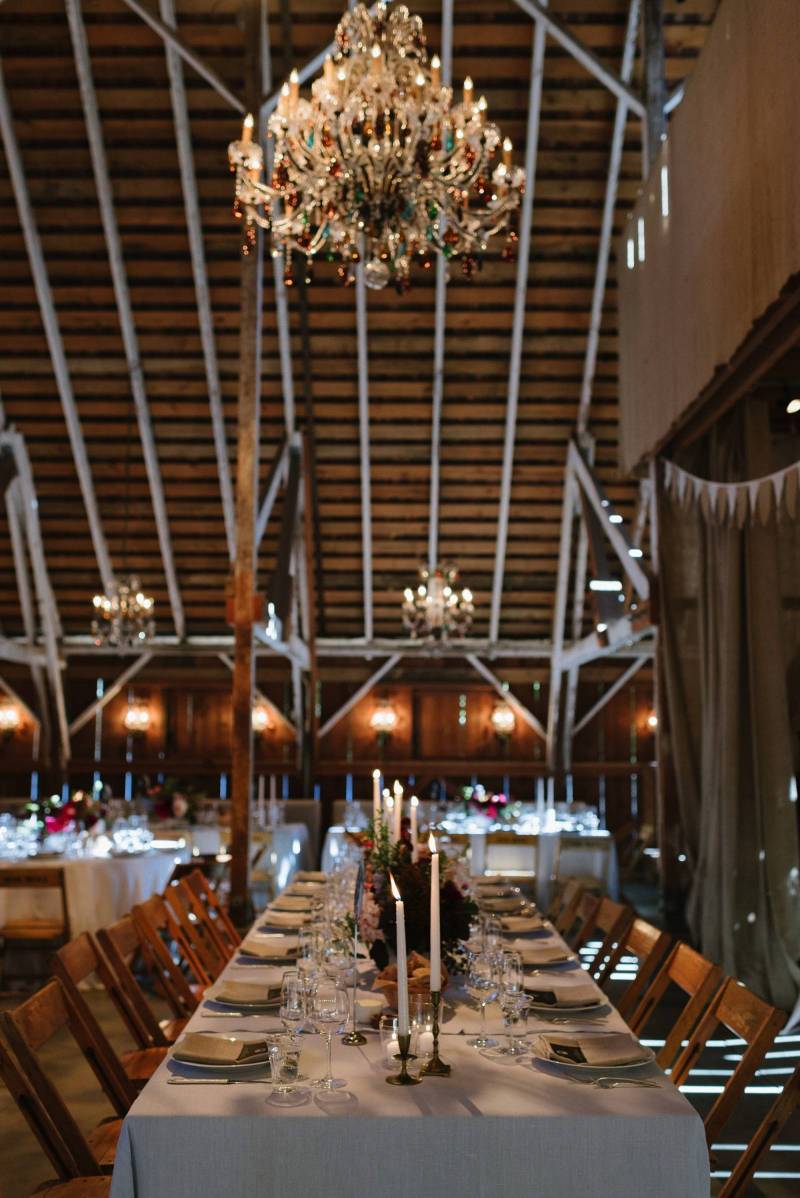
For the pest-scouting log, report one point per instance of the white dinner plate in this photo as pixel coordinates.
(647, 1059)
(221, 1067)
(562, 1009)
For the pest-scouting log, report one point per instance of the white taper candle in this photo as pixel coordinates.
(436, 931)
(402, 962)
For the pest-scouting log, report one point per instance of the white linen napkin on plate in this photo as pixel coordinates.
(560, 991)
(228, 990)
(609, 1048)
(537, 953)
(203, 1048)
(500, 904)
(302, 888)
(286, 919)
(522, 923)
(290, 902)
(310, 875)
(268, 950)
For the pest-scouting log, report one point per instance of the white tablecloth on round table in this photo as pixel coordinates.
(597, 856)
(288, 846)
(99, 890)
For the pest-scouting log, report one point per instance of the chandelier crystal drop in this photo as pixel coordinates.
(381, 163)
(436, 610)
(123, 615)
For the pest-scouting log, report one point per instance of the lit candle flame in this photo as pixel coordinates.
(432, 844)
(395, 891)
(414, 801)
(376, 773)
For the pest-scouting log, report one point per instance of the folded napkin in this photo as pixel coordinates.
(248, 993)
(611, 1048)
(265, 948)
(500, 904)
(540, 954)
(290, 902)
(203, 1048)
(522, 923)
(558, 992)
(310, 875)
(286, 919)
(303, 888)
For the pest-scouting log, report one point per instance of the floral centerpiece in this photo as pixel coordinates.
(170, 801)
(53, 814)
(478, 799)
(377, 927)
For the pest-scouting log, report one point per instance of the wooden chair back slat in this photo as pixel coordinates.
(196, 901)
(31, 1024)
(784, 1106)
(205, 893)
(205, 959)
(649, 945)
(155, 922)
(698, 977)
(120, 944)
(754, 1021)
(564, 908)
(61, 1139)
(584, 915)
(609, 921)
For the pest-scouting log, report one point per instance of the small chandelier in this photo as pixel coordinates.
(436, 609)
(380, 162)
(137, 717)
(503, 719)
(123, 615)
(383, 720)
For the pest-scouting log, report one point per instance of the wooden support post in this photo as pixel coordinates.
(246, 507)
(655, 80)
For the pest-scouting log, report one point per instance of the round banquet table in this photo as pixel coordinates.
(99, 890)
(287, 847)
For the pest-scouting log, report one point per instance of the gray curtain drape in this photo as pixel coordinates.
(730, 640)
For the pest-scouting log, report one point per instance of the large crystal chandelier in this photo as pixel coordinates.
(436, 610)
(379, 162)
(123, 615)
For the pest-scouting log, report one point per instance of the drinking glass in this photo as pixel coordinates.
(292, 1010)
(284, 1059)
(483, 986)
(515, 1013)
(328, 1012)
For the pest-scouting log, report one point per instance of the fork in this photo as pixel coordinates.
(612, 1083)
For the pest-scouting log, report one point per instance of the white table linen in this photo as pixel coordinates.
(492, 1128)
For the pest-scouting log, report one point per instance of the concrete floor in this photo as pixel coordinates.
(23, 1165)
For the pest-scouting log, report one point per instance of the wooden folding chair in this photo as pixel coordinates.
(747, 1016)
(121, 945)
(563, 907)
(609, 922)
(698, 978)
(784, 1106)
(160, 931)
(649, 945)
(206, 898)
(35, 932)
(61, 1139)
(76, 962)
(205, 959)
(584, 914)
(27, 1028)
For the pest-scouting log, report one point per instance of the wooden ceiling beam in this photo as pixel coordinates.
(122, 295)
(518, 326)
(194, 228)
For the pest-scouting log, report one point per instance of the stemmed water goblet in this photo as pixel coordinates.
(483, 986)
(292, 1011)
(328, 1012)
(513, 1002)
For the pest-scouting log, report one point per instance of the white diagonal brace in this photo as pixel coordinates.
(170, 37)
(439, 328)
(52, 332)
(363, 443)
(15, 511)
(358, 695)
(586, 57)
(518, 326)
(607, 223)
(110, 692)
(560, 612)
(122, 295)
(260, 697)
(506, 695)
(19, 652)
(624, 678)
(621, 635)
(194, 228)
(619, 542)
(268, 502)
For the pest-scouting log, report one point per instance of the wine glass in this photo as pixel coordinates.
(292, 1011)
(328, 1012)
(483, 986)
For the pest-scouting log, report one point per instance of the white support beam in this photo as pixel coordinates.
(607, 223)
(19, 652)
(586, 57)
(358, 695)
(265, 511)
(194, 228)
(52, 332)
(560, 612)
(606, 697)
(506, 695)
(15, 511)
(110, 692)
(171, 38)
(620, 635)
(619, 541)
(124, 309)
(518, 326)
(260, 697)
(295, 649)
(439, 326)
(363, 442)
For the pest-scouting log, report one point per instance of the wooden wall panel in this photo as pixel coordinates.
(731, 242)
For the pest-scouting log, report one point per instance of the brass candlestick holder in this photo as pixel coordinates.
(435, 1067)
(403, 1078)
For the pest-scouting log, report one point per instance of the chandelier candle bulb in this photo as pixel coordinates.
(329, 72)
(283, 102)
(375, 62)
(436, 934)
(402, 962)
(436, 69)
(468, 91)
(507, 148)
(247, 129)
